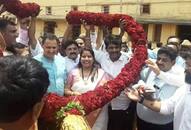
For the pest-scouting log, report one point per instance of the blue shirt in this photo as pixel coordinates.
(180, 61)
(151, 54)
(57, 72)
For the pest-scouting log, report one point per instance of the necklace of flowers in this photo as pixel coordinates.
(97, 98)
(21, 10)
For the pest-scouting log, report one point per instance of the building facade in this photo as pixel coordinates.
(160, 18)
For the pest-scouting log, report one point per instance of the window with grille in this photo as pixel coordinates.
(105, 9)
(48, 10)
(145, 9)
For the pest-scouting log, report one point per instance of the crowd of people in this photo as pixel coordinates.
(158, 100)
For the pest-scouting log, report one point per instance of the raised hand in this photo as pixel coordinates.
(85, 25)
(153, 66)
(122, 25)
(24, 23)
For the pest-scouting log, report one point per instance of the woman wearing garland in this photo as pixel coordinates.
(87, 76)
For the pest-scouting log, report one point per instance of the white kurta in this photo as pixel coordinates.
(180, 104)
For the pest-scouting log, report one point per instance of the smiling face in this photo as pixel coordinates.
(114, 51)
(50, 48)
(164, 62)
(86, 59)
(72, 51)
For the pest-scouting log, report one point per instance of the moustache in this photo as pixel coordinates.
(73, 53)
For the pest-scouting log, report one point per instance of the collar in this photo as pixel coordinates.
(75, 61)
(121, 58)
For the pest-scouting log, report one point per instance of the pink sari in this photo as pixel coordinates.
(77, 84)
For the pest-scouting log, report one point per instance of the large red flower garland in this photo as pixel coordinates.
(20, 9)
(103, 94)
(134, 29)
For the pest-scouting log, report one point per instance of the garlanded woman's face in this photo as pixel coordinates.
(87, 59)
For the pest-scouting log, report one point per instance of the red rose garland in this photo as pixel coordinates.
(20, 9)
(103, 94)
(134, 29)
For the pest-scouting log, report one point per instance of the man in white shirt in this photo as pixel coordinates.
(179, 104)
(72, 54)
(112, 61)
(165, 80)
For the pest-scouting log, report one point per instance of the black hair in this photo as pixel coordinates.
(187, 55)
(174, 44)
(96, 65)
(112, 39)
(67, 43)
(4, 22)
(23, 83)
(159, 44)
(149, 45)
(173, 37)
(19, 45)
(92, 53)
(170, 52)
(50, 36)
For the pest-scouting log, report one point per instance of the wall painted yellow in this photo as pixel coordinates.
(167, 30)
(168, 11)
(150, 32)
(39, 28)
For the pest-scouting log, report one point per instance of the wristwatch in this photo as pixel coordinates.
(141, 99)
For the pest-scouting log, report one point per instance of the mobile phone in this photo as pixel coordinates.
(149, 91)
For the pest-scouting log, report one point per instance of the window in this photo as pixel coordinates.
(48, 10)
(145, 9)
(105, 9)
